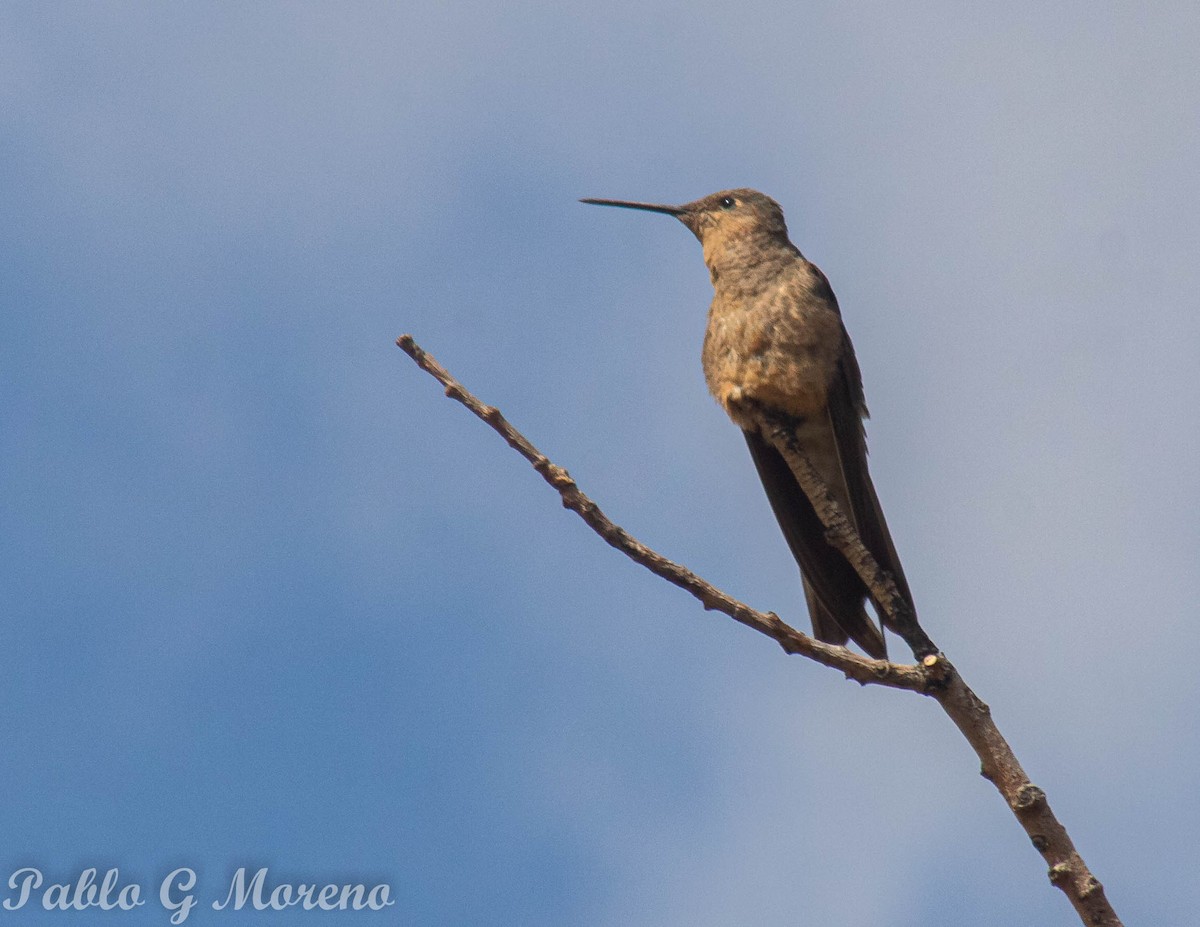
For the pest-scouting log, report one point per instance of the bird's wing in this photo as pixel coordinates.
(834, 591)
(846, 413)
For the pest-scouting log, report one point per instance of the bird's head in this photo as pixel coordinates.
(726, 222)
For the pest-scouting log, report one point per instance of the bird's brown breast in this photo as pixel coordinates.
(777, 345)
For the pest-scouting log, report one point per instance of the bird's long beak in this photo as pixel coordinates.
(626, 204)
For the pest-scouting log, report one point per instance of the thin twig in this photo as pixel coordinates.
(935, 676)
(862, 669)
(968, 712)
(840, 533)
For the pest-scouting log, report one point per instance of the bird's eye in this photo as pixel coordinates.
(728, 202)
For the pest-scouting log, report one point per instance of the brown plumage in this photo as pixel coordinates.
(775, 338)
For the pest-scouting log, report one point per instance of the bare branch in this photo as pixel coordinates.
(935, 676)
(839, 532)
(862, 669)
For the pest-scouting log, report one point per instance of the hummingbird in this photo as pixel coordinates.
(775, 341)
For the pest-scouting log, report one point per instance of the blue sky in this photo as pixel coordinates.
(270, 600)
